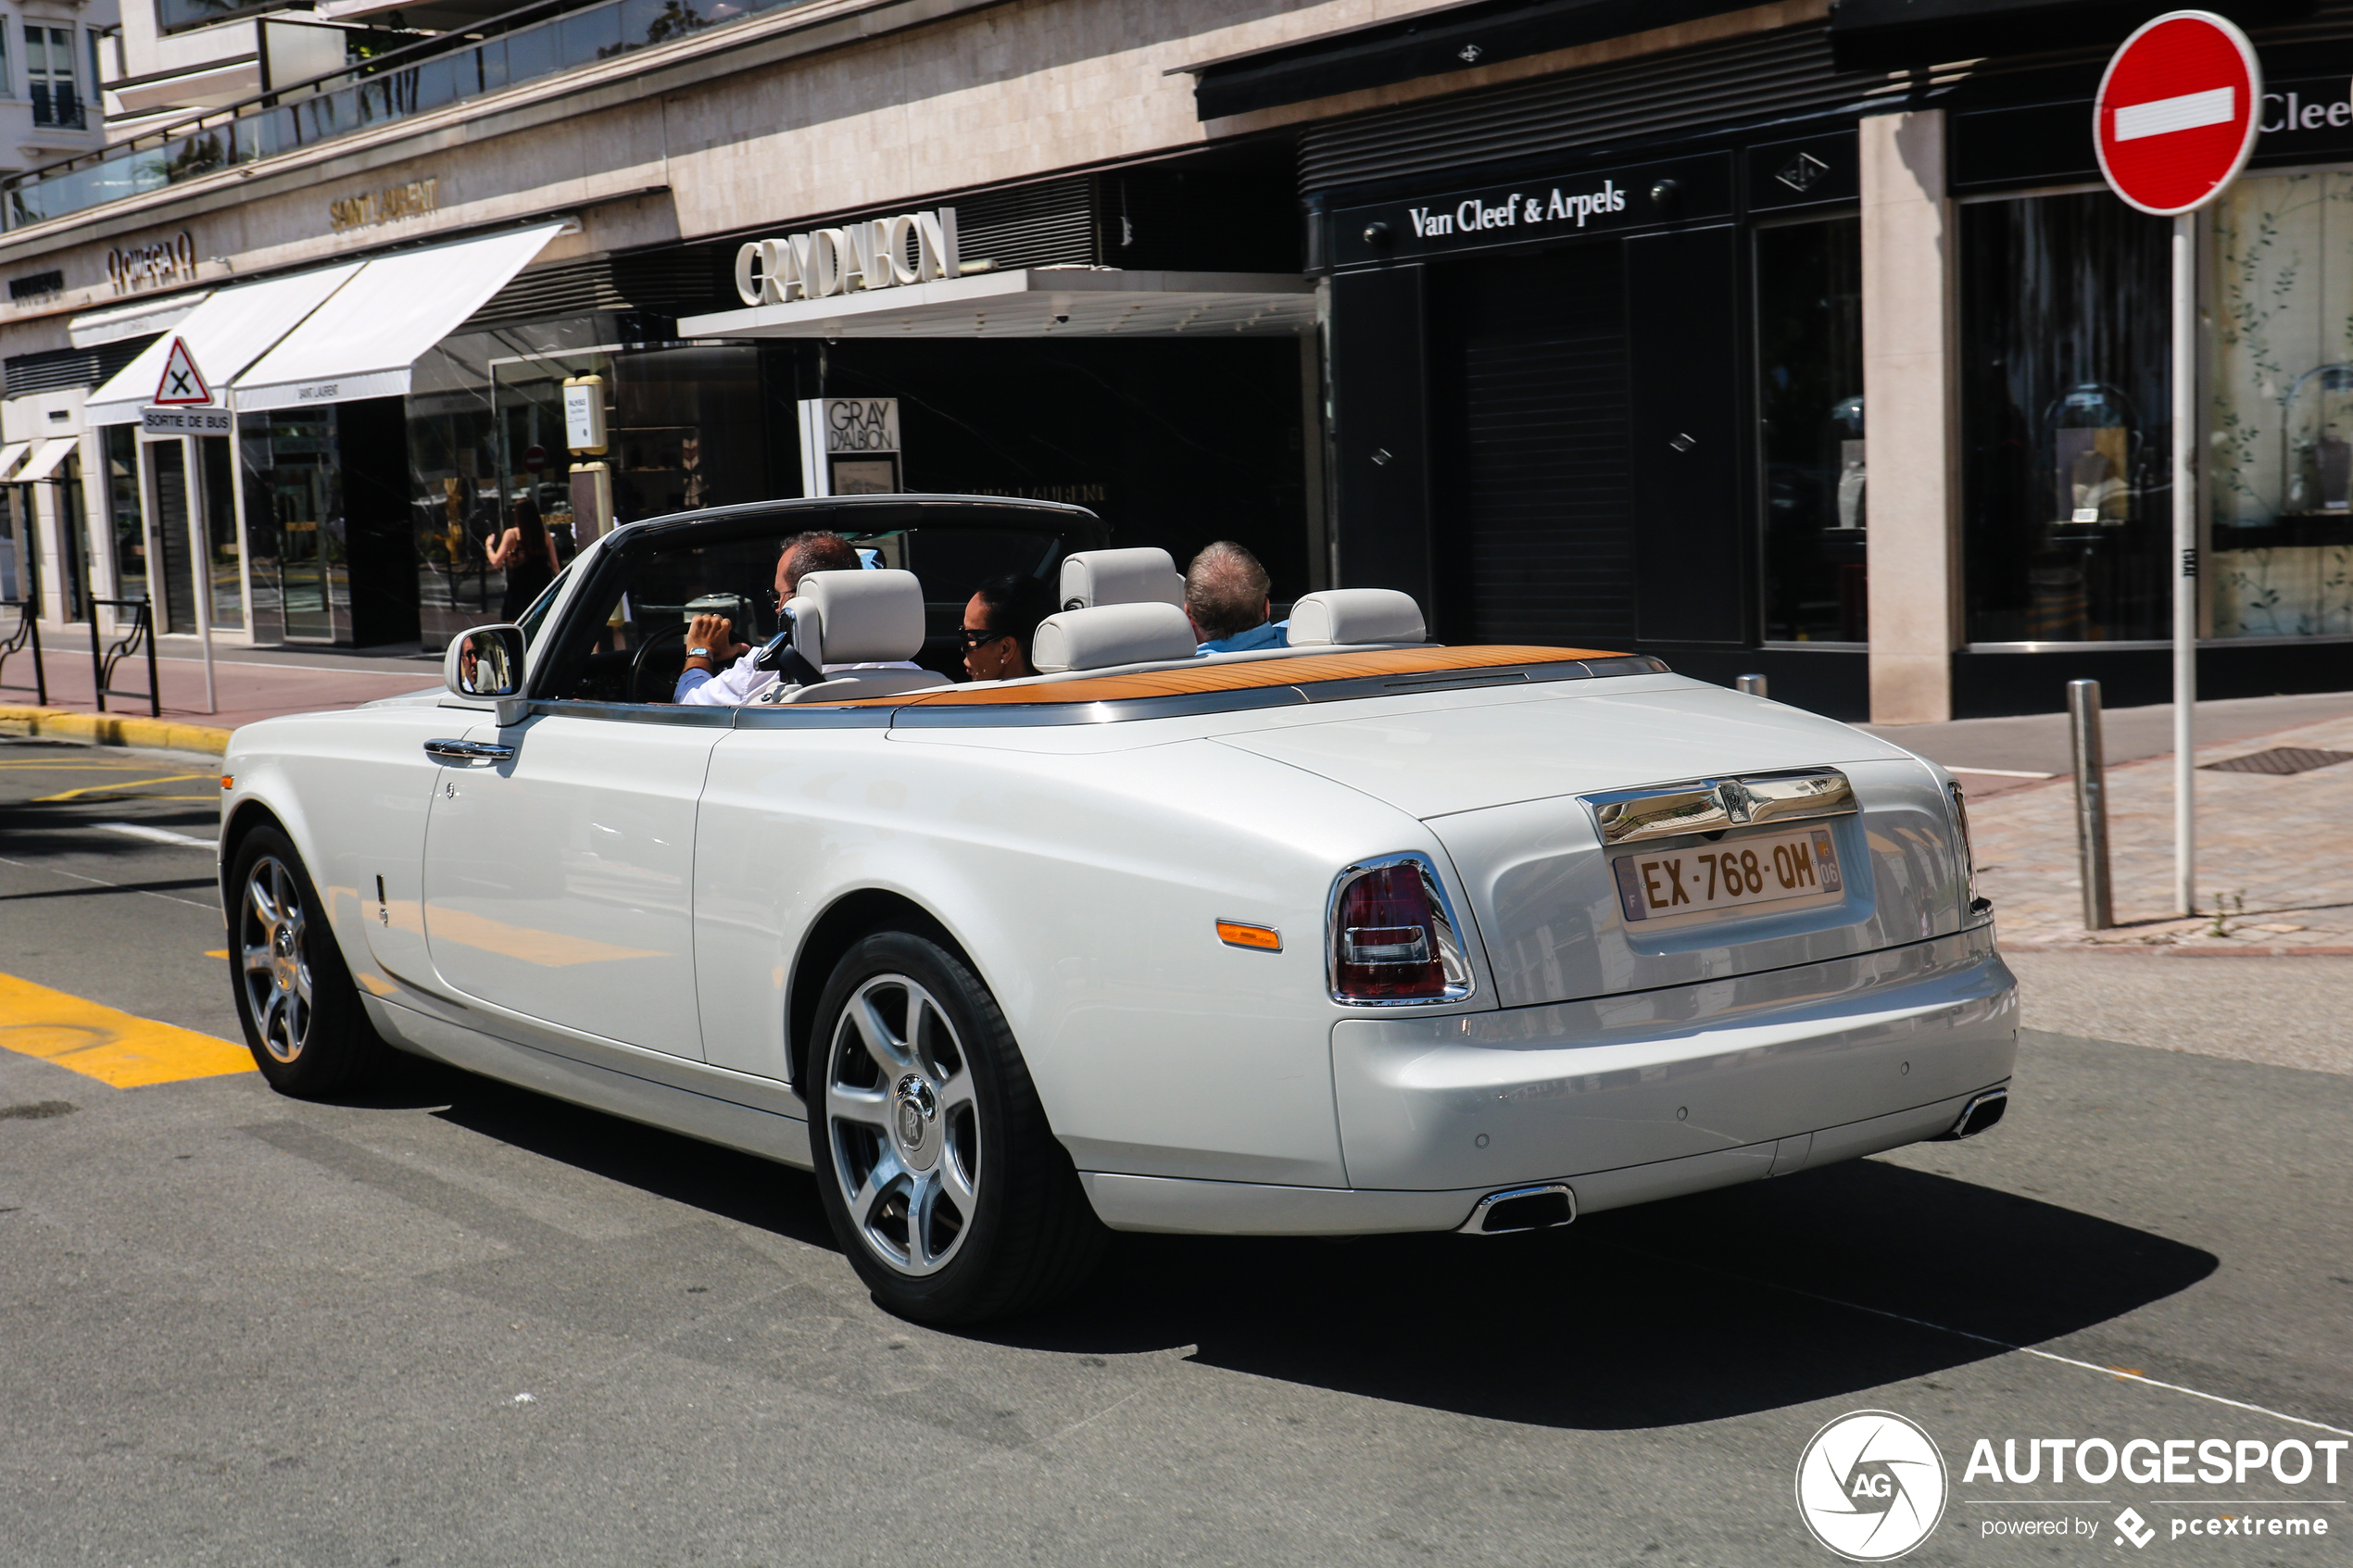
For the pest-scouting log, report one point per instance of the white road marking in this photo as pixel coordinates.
(162, 835)
(2001, 1344)
(1997, 773)
(2217, 106)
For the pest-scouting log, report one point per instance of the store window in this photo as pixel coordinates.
(19, 554)
(2065, 421)
(73, 534)
(224, 567)
(120, 443)
(1809, 401)
(294, 524)
(2281, 475)
(49, 73)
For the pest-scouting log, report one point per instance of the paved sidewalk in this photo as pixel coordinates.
(249, 684)
(2275, 856)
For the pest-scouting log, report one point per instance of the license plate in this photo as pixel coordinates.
(1727, 874)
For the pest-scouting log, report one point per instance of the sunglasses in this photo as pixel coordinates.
(976, 639)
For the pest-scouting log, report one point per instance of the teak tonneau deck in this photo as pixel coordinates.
(1241, 675)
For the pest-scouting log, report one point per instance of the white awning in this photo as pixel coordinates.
(224, 335)
(1040, 302)
(132, 320)
(54, 450)
(11, 455)
(362, 342)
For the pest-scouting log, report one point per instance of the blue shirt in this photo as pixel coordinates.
(1266, 635)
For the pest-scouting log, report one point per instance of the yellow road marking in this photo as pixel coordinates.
(127, 783)
(216, 953)
(99, 1042)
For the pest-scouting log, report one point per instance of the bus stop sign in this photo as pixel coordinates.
(2177, 112)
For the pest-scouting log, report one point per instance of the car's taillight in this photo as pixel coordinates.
(1393, 934)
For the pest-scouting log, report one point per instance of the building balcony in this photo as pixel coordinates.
(491, 56)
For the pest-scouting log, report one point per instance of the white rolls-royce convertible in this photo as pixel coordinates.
(1360, 935)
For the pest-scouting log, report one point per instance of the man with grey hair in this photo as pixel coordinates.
(1227, 599)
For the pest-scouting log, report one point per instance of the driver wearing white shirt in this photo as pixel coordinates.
(710, 638)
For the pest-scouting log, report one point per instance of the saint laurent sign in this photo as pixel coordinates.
(879, 253)
(414, 199)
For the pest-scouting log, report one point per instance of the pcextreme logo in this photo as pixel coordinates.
(1871, 1485)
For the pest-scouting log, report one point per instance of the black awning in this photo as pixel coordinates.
(1447, 38)
(1904, 34)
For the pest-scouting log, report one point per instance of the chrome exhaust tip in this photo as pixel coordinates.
(1547, 1205)
(1980, 1112)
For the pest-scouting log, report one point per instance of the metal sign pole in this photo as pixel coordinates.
(2184, 564)
(2176, 118)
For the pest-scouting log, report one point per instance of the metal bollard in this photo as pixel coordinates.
(2091, 802)
(1753, 684)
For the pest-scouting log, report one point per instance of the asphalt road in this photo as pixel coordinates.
(454, 1323)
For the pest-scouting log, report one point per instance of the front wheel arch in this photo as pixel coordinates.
(249, 815)
(846, 921)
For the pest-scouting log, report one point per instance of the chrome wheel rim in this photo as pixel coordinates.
(902, 1125)
(275, 967)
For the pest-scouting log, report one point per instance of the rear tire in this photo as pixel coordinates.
(302, 1015)
(943, 1181)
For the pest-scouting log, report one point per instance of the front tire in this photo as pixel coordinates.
(943, 1181)
(302, 1015)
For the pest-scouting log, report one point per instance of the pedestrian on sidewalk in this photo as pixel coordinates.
(527, 556)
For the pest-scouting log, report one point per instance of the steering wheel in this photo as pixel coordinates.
(645, 672)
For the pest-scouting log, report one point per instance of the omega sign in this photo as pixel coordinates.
(152, 266)
(879, 253)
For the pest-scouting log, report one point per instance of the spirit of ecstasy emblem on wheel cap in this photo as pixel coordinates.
(914, 1107)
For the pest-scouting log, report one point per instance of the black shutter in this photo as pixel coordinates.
(1681, 292)
(1380, 433)
(1533, 503)
(1757, 79)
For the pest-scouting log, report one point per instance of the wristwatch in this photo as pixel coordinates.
(698, 653)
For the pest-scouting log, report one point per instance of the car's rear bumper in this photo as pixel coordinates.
(1629, 1099)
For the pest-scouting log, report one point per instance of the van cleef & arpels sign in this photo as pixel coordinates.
(1531, 210)
(878, 253)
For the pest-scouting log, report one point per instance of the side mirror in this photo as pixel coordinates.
(486, 661)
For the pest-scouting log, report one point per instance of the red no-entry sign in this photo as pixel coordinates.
(2177, 112)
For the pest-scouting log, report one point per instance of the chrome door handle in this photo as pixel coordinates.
(469, 751)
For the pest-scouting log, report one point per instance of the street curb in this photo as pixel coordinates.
(107, 729)
(2177, 951)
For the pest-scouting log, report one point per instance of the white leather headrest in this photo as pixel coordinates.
(1355, 615)
(1094, 578)
(858, 617)
(1109, 635)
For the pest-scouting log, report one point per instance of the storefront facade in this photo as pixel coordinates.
(1604, 387)
(1758, 340)
(1603, 343)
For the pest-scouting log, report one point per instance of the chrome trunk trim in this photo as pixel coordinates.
(1712, 805)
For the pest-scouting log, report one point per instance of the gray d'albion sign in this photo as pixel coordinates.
(1529, 211)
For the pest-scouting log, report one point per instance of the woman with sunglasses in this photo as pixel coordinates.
(999, 622)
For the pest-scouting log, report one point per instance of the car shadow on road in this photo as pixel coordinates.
(1721, 1304)
(1749, 1298)
(721, 1182)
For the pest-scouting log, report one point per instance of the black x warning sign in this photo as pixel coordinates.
(182, 383)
